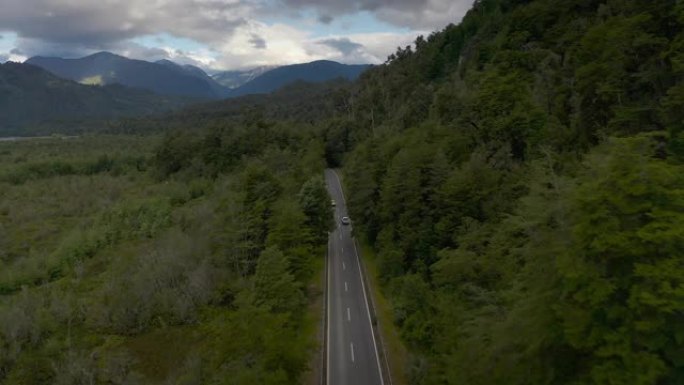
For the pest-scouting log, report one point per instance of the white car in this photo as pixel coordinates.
(332, 203)
(345, 220)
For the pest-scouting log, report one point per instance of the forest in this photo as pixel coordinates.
(124, 262)
(519, 176)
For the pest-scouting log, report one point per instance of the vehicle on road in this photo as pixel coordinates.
(332, 203)
(345, 220)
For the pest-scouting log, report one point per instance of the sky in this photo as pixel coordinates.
(221, 34)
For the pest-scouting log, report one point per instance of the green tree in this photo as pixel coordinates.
(623, 278)
(315, 203)
(274, 286)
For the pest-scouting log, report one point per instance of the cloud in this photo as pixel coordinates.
(345, 46)
(4, 57)
(257, 42)
(93, 24)
(420, 14)
(436, 14)
(220, 34)
(325, 19)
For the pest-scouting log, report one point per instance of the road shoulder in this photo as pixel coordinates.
(394, 354)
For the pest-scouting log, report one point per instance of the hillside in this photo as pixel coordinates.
(30, 96)
(314, 72)
(217, 89)
(234, 79)
(106, 68)
(521, 178)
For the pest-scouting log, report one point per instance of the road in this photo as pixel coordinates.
(352, 355)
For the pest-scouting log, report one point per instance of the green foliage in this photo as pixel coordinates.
(315, 203)
(519, 176)
(274, 286)
(622, 278)
(519, 173)
(101, 258)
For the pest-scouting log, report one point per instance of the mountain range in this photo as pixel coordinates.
(48, 90)
(168, 78)
(234, 79)
(314, 72)
(30, 96)
(106, 68)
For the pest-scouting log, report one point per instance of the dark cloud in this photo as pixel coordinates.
(137, 51)
(32, 47)
(424, 14)
(345, 46)
(325, 19)
(17, 51)
(257, 42)
(95, 25)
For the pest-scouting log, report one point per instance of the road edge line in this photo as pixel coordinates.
(326, 340)
(370, 322)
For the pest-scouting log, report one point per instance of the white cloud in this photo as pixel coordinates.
(289, 45)
(228, 33)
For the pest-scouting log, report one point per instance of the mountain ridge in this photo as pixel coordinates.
(169, 78)
(313, 72)
(30, 95)
(106, 68)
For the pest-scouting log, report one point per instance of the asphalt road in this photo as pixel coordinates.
(352, 356)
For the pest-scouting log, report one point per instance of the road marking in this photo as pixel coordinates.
(327, 306)
(348, 315)
(363, 286)
(343, 250)
(339, 183)
(352, 350)
(346, 288)
(344, 267)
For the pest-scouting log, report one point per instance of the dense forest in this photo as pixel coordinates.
(124, 262)
(519, 175)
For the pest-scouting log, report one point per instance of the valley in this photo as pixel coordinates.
(508, 190)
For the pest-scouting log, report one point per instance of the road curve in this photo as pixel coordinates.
(352, 355)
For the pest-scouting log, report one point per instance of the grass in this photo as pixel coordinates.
(312, 323)
(395, 351)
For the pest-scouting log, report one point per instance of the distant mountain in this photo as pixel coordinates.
(234, 79)
(30, 96)
(168, 78)
(314, 72)
(106, 68)
(194, 71)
